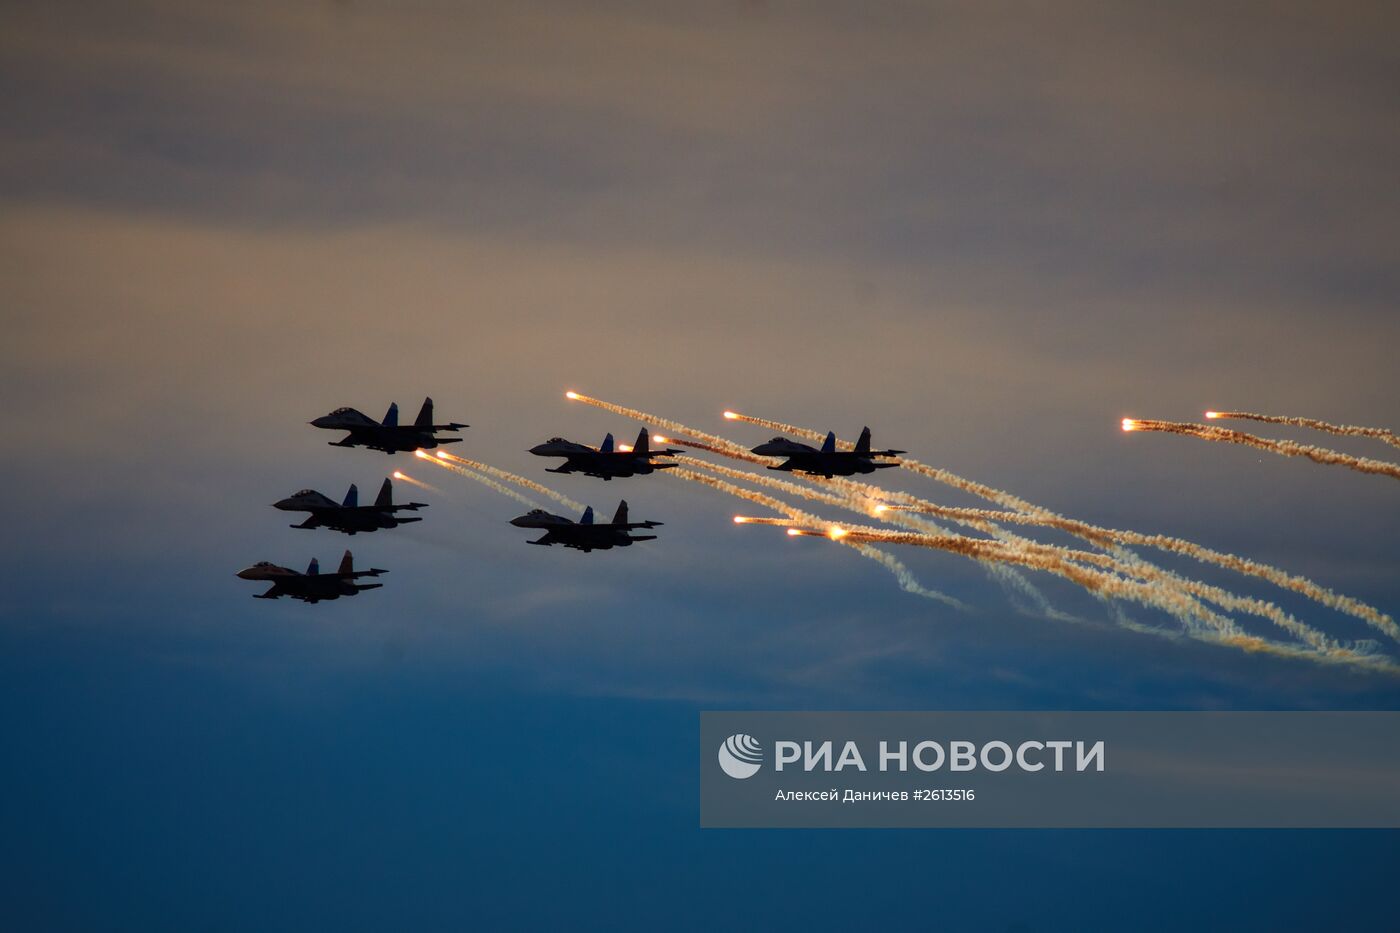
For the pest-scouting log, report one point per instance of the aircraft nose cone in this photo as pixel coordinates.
(245, 574)
(520, 522)
(320, 422)
(540, 450)
(284, 504)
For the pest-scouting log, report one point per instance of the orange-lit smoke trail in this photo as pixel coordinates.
(1006, 575)
(863, 494)
(1018, 552)
(831, 529)
(786, 428)
(398, 474)
(502, 488)
(1158, 588)
(1133, 567)
(985, 519)
(865, 500)
(1094, 533)
(981, 490)
(1161, 580)
(1346, 430)
(1152, 594)
(734, 455)
(508, 477)
(1140, 582)
(717, 443)
(771, 482)
(1102, 537)
(799, 517)
(1283, 448)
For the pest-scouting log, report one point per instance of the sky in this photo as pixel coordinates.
(988, 231)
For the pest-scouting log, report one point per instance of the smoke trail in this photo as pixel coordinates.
(1139, 569)
(799, 517)
(1044, 558)
(806, 519)
(1159, 588)
(1347, 430)
(1103, 537)
(867, 504)
(981, 490)
(502, 488)
(1149, 586)
(1097, 534)
(732, 454)
(416, 482)
(786, 428)
(1283, 448)
(1039, 557)
(508, 477)
(713, 443)
(1152, 594)
(1161, 580)
(906, 579)
(1170, 589)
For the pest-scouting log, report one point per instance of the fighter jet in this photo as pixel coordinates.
(312, 586)
(349, 516)
(828, 461)
(585, 534)
(389, 436)
(607, 461)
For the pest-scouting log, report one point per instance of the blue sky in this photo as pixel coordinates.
(989, 233)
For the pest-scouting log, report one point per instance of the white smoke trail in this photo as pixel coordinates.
(1024, 512)
(485, 480)
(1284, 448)
(508, 477)
(1347, 430)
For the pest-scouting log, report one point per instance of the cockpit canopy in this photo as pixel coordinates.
(557, 440)
(304, 492)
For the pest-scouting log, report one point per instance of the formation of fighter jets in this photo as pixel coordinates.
(608, 461)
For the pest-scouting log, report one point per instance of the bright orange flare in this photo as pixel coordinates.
(398, 475)
(836, 534)
(1129, 424)
(571, 394)
(420, 454)
(658, 439)
(1212, 414)
(731, 415)
(795, 532)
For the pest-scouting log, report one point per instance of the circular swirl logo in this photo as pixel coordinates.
(740, 756)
